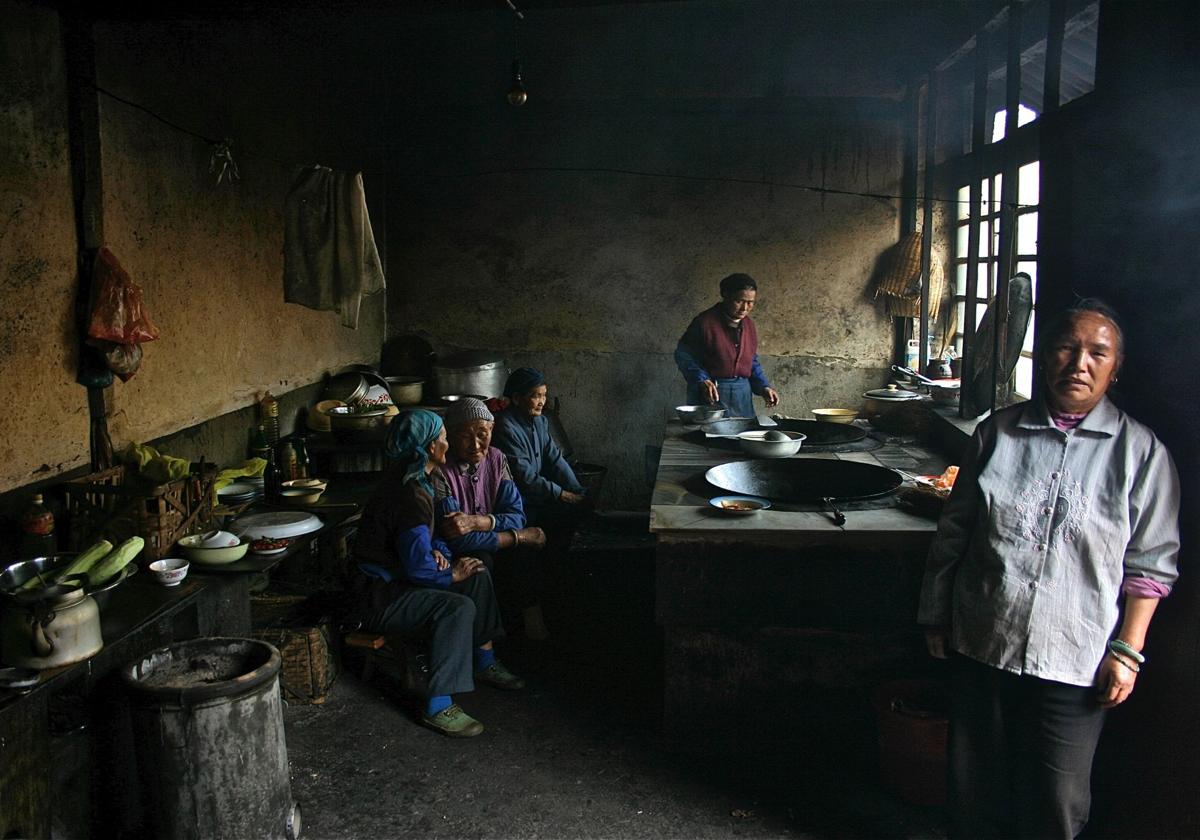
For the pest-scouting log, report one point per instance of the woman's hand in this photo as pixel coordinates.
(457, 524)
(465, 567)
(710, 391)
(570, 498)
(935, 642)
(1114, 681)
(772, 397)
(442, 563)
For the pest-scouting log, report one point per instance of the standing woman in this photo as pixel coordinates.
(410, 583)
(1058, 541)
(718, 354)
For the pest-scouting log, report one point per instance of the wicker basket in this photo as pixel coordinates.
(309, 666)
(115, 504)
(900, 279)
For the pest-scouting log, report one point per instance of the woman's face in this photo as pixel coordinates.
(531, 402)
(471, 440)
(738, 305)
(437, 449)
(1081, 363)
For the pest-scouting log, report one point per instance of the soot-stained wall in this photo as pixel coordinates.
(1121, 177)
(208, 257)
(647, 165)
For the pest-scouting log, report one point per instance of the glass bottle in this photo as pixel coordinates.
(287, 460)
(272, 477)
(37, 530)
(258, 443)
(301, 447)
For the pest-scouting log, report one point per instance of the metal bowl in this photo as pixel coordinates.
(450, 399)
(836, 415)
(698, 414)
(349, 424)
(755, 443)
(17, 574)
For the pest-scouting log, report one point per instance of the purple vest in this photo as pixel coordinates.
(722, 359)
(475, 493)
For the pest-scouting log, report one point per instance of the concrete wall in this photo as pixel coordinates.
(566, 258)
(208, 257)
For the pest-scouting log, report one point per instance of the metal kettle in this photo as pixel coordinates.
(53, 626)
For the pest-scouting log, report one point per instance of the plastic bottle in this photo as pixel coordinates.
(270, 417)
(37, 530)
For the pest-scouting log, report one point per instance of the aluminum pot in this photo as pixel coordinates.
(473, 372)
(885, 407)
(406, 390)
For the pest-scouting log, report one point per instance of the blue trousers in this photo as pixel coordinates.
(457, 620)
(1021, 752)
(734, 393)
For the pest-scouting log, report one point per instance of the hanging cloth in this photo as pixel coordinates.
(329, 255)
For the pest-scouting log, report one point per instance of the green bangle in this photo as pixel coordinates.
(1122, 646)
(1127, 663)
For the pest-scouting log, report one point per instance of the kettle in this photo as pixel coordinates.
(48, 627)
(938, 369)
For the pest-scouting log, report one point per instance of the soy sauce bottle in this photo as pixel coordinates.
(37, 530)
(272, 477)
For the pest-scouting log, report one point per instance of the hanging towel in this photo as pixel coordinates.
(329, 255)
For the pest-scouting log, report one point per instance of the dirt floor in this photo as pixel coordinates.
(576, 754)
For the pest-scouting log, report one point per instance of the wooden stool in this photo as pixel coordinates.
(371, 644)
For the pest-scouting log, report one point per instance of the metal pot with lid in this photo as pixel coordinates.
(470, 372)
(884, 406)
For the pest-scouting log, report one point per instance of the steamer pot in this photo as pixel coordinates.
(473, 372)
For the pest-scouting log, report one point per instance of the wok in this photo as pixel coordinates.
(816, 432)
(805, 480)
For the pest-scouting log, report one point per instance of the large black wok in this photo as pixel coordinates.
(805, 480)
(817, 432)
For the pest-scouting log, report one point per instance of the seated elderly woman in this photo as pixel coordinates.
(546, 480)
(1051, 555)
(411, 583)
(480, 511)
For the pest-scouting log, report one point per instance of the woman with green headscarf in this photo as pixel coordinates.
(411, 583)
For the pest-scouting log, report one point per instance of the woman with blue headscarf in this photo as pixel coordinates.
(412, 584)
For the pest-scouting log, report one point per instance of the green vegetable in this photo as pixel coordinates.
(116, 560)
(79, 566)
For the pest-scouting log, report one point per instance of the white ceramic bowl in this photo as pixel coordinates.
(217, 539)
(170, 571)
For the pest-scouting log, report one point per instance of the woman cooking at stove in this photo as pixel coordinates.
(718, 354)
(1058, 541)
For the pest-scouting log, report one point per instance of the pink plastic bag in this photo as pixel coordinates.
(118, 314)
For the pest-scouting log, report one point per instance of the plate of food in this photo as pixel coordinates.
(739, 505)
(270, 545)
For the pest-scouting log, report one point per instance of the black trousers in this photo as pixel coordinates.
(517, 573)
(457, 620)
(1021, 752)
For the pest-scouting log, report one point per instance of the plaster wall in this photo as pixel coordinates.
(581, 233)
(208, 257)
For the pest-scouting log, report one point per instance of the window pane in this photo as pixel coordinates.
(1027, 224)
(980, 308)
(1079, 54)
(985, 238)
(960, 280)
(1029, 183)
(983, 288)
(960, 241)
(997, 185)
(964, 204)
(1024, 377)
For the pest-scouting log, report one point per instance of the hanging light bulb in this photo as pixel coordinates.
(517, 95)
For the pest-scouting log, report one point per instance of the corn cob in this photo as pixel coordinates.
(116, 560)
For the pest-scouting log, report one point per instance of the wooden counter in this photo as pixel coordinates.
(777, 625)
